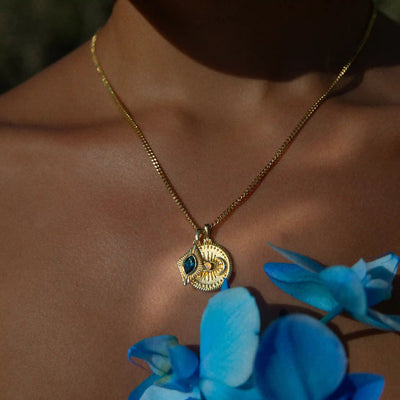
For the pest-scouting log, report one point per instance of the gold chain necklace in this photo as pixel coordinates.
(207, 264)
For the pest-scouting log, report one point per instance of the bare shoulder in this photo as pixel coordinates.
(55, 134)
(57, 95)
(50, 116)
(36, 113)
(373, 103)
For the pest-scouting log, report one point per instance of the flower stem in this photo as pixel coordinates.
(331, 315)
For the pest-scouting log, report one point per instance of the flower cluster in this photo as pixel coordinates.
(297, 357)
(339, 288)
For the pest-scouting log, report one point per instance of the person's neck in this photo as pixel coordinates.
(216, 47)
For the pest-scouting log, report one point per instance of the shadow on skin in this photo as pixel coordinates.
(208, 39)
(391, 306)
(270, 312)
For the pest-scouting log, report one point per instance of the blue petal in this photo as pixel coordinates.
(154, 351)
(184, 361)
(379, 320)
(302, 284)
(346, 288)
(384, 267)
(381, 273)
(139, 390)
(368, 386)
(160, 393)
(184, 366)
(359, 387)
(225, 285)
(299, 358)
(360, 268)
(213, 390)
(377, 290)
(229, 331)
(302, 261)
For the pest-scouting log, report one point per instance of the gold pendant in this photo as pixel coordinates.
(206, 265)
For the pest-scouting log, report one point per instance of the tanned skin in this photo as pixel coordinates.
(90, 236)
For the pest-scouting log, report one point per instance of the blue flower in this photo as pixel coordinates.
(338, 288)
(300, 358)
(229, 339)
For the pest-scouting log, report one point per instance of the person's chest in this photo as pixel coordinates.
(90, 256)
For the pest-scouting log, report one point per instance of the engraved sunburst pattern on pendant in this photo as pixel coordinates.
(205, 266)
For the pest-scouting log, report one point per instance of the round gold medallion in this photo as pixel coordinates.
(217, 266)
(206, 264)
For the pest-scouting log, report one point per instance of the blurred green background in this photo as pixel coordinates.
(35, 33)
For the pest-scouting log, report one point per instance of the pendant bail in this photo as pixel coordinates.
(202, 234)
